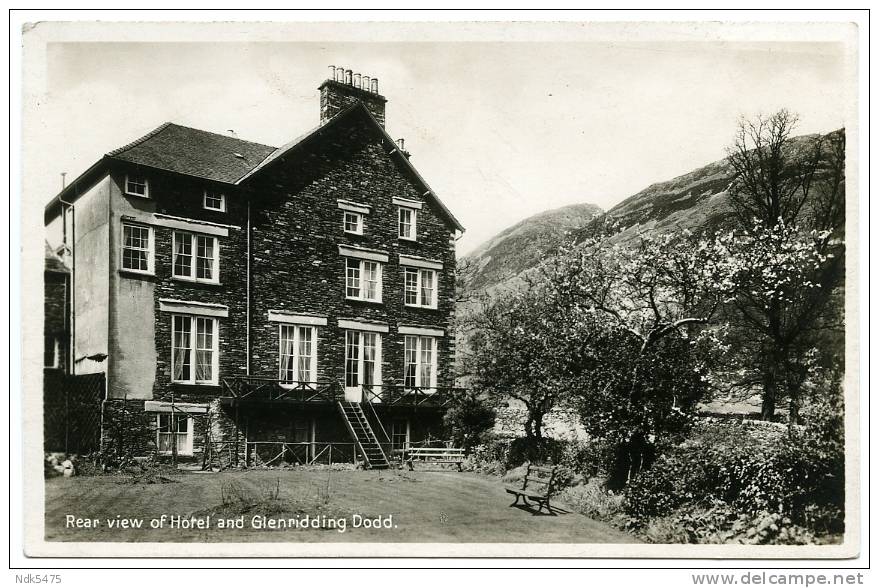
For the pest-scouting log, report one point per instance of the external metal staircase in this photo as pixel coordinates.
(363, 435)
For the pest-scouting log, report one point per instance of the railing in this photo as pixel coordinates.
(377, 420)
(262, 389)
(402, 453)
(281, 453)
(304, 453)
(395, 395)
(255, 388)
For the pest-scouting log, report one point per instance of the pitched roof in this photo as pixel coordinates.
(354, 110)
(184, 150)
(53, 262)
(222, 158)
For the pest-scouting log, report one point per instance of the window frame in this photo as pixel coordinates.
(413, 224)
(361, 271)
(419, 282)
(405, 434)
(360, 347)
(297, 339)
(418, 362)
(222, 198)
(146, 185)
(175, 417)
(194, 257)
(56, 351)
(193, 350)
(151, 249)
(358, 216)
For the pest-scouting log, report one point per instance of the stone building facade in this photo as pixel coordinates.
(241, 291)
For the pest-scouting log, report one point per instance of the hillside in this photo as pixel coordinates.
(523, 245)
(697, 199)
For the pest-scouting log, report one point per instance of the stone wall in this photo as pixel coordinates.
(296, 267)
(297, 228)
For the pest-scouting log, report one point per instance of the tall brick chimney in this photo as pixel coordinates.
(344, 88)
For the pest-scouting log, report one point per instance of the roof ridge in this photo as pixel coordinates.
(289, 145)
(136, 142)
(219, 135)
(356, 107)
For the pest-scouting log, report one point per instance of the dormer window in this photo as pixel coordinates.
(214, 201)
(352, 222)
(136, 185)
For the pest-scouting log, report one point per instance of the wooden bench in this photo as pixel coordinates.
(538, 485)
(435, 455)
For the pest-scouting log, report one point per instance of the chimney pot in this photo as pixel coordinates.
(339, 93)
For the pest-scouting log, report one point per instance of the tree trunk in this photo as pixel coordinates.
(770, 391)
(529, 427)
(538, 426)
(793, 393)
(771, 381)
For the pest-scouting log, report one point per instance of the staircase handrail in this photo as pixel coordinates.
(378, 420)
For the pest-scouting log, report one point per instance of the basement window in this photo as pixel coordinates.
(174, 432)
(136, 185)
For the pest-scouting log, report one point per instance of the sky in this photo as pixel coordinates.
(500, 130)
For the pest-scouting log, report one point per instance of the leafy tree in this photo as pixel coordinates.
(659, 287)
(647, 308)
(515, 354)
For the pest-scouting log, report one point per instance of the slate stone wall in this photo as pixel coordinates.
(296, 267)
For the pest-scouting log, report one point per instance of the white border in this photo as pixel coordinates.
(742, 26)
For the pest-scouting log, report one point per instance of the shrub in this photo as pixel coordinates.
(589, 458)
(593, 500)
(719, 523)
(468, 421)
(489, 457)
(531, 449)
(756, 485)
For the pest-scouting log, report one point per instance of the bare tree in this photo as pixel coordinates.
(786, 191)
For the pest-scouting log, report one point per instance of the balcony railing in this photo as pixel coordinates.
(395, 395)
(262, 389)
(256, 389)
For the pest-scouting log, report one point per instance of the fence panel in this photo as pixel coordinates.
(72, 412)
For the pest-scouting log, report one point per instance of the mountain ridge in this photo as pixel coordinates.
(693, 200)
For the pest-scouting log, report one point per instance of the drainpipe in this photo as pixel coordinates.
(247, 315)
(71, 349)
